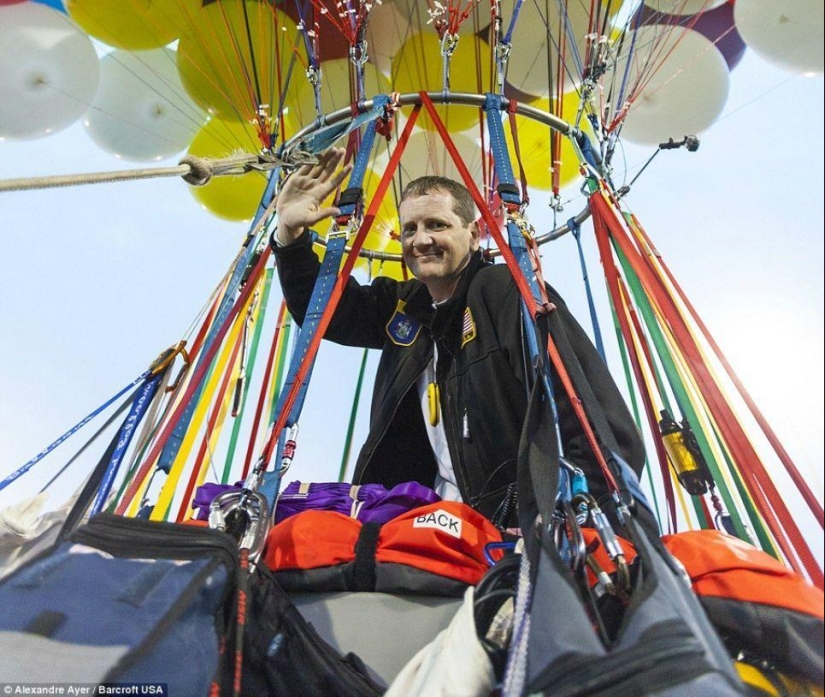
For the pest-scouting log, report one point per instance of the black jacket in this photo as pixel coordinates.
(484, 384)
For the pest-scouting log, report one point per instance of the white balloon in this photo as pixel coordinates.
(787, 33)
(683, 7)
(49, 71)
(685, 92)
(535, 38)
(142, 111)
(426, 154)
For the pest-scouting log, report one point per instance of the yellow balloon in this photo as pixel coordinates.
(228, 197)
(228, 57)
(335, 89)
(129, 24)
(418, 66)
(534, 145)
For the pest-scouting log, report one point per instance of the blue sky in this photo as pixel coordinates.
(97, 280)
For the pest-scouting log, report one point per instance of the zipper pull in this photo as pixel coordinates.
(465, 426)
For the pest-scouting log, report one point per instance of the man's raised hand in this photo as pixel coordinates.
(300, 200)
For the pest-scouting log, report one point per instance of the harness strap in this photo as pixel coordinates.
(289, 395)
(523, 282)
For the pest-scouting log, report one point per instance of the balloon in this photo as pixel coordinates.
(534, 145)
(538, 34)
(716, 24)
(683, 96)
(335, 90)
(787, 33)
(228, 197)
(10, 2)
(426, 154)
(50, 71)
(130, 24)
(418, 66)
(232, 74)
(386, 31)
(141, 111)
(682, 7)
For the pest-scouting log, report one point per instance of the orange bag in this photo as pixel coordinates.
(437, 549)
(762, 610)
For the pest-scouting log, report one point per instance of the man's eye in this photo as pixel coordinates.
(437, 225)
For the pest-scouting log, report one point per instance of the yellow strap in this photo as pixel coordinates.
(169, 489)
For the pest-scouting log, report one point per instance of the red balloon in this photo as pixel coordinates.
(10, 2)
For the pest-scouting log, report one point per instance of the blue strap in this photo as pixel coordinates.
(575, 228)
(321, 293)
(140, 406)
(507, 189)
(74, 429)
(508, 36)
(172, 447)
(323, 138)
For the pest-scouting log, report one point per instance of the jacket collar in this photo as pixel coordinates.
(420, 302)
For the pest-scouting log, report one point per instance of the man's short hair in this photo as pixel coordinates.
(463, 205)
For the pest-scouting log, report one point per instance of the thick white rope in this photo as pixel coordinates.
(195, 170)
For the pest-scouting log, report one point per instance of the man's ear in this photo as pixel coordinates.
(475, 236)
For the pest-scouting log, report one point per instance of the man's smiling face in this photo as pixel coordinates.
(435, 242)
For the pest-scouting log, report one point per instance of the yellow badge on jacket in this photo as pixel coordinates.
(402, 329)
(468, 328)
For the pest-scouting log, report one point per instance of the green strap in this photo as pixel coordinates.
(253, 354)
(353, 413)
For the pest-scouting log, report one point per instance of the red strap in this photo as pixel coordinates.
(782, 454)
(343, 277)
(197, 376)
(614, 287)
(523, 287)
(761, 487)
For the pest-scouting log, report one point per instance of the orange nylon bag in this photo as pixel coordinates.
(762, 610)
(437, 549)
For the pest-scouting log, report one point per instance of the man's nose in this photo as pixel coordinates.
(422, 237)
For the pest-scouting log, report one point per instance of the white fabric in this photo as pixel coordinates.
(445, 484)
(24, 520)
(454, 664)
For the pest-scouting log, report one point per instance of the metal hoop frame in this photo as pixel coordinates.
(446, 98)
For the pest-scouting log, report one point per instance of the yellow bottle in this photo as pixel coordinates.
(688, 470)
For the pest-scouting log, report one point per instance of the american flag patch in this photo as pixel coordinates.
(468, 327)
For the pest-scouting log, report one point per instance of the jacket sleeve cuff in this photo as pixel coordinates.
(305, 240)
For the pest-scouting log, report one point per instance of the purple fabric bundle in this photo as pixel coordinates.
(369, 503)
(204, 495)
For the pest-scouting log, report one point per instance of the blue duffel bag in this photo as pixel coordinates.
(123, 601)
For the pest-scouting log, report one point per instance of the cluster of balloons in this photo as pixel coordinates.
(216, 76)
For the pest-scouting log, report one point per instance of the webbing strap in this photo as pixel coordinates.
(272, 479)
(186, 404)
(323, 138)
(802, 485)
(325, 282)
(74, 429)
(770, 503)
(523, 285)
(575, 228)
(172, 447)
(321, 293)
(140, 406)
(507, 189)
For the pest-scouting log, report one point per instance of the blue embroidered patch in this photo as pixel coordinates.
(402, 329)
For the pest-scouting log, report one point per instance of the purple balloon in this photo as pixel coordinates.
(716, 24)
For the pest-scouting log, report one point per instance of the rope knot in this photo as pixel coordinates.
(200, 170)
